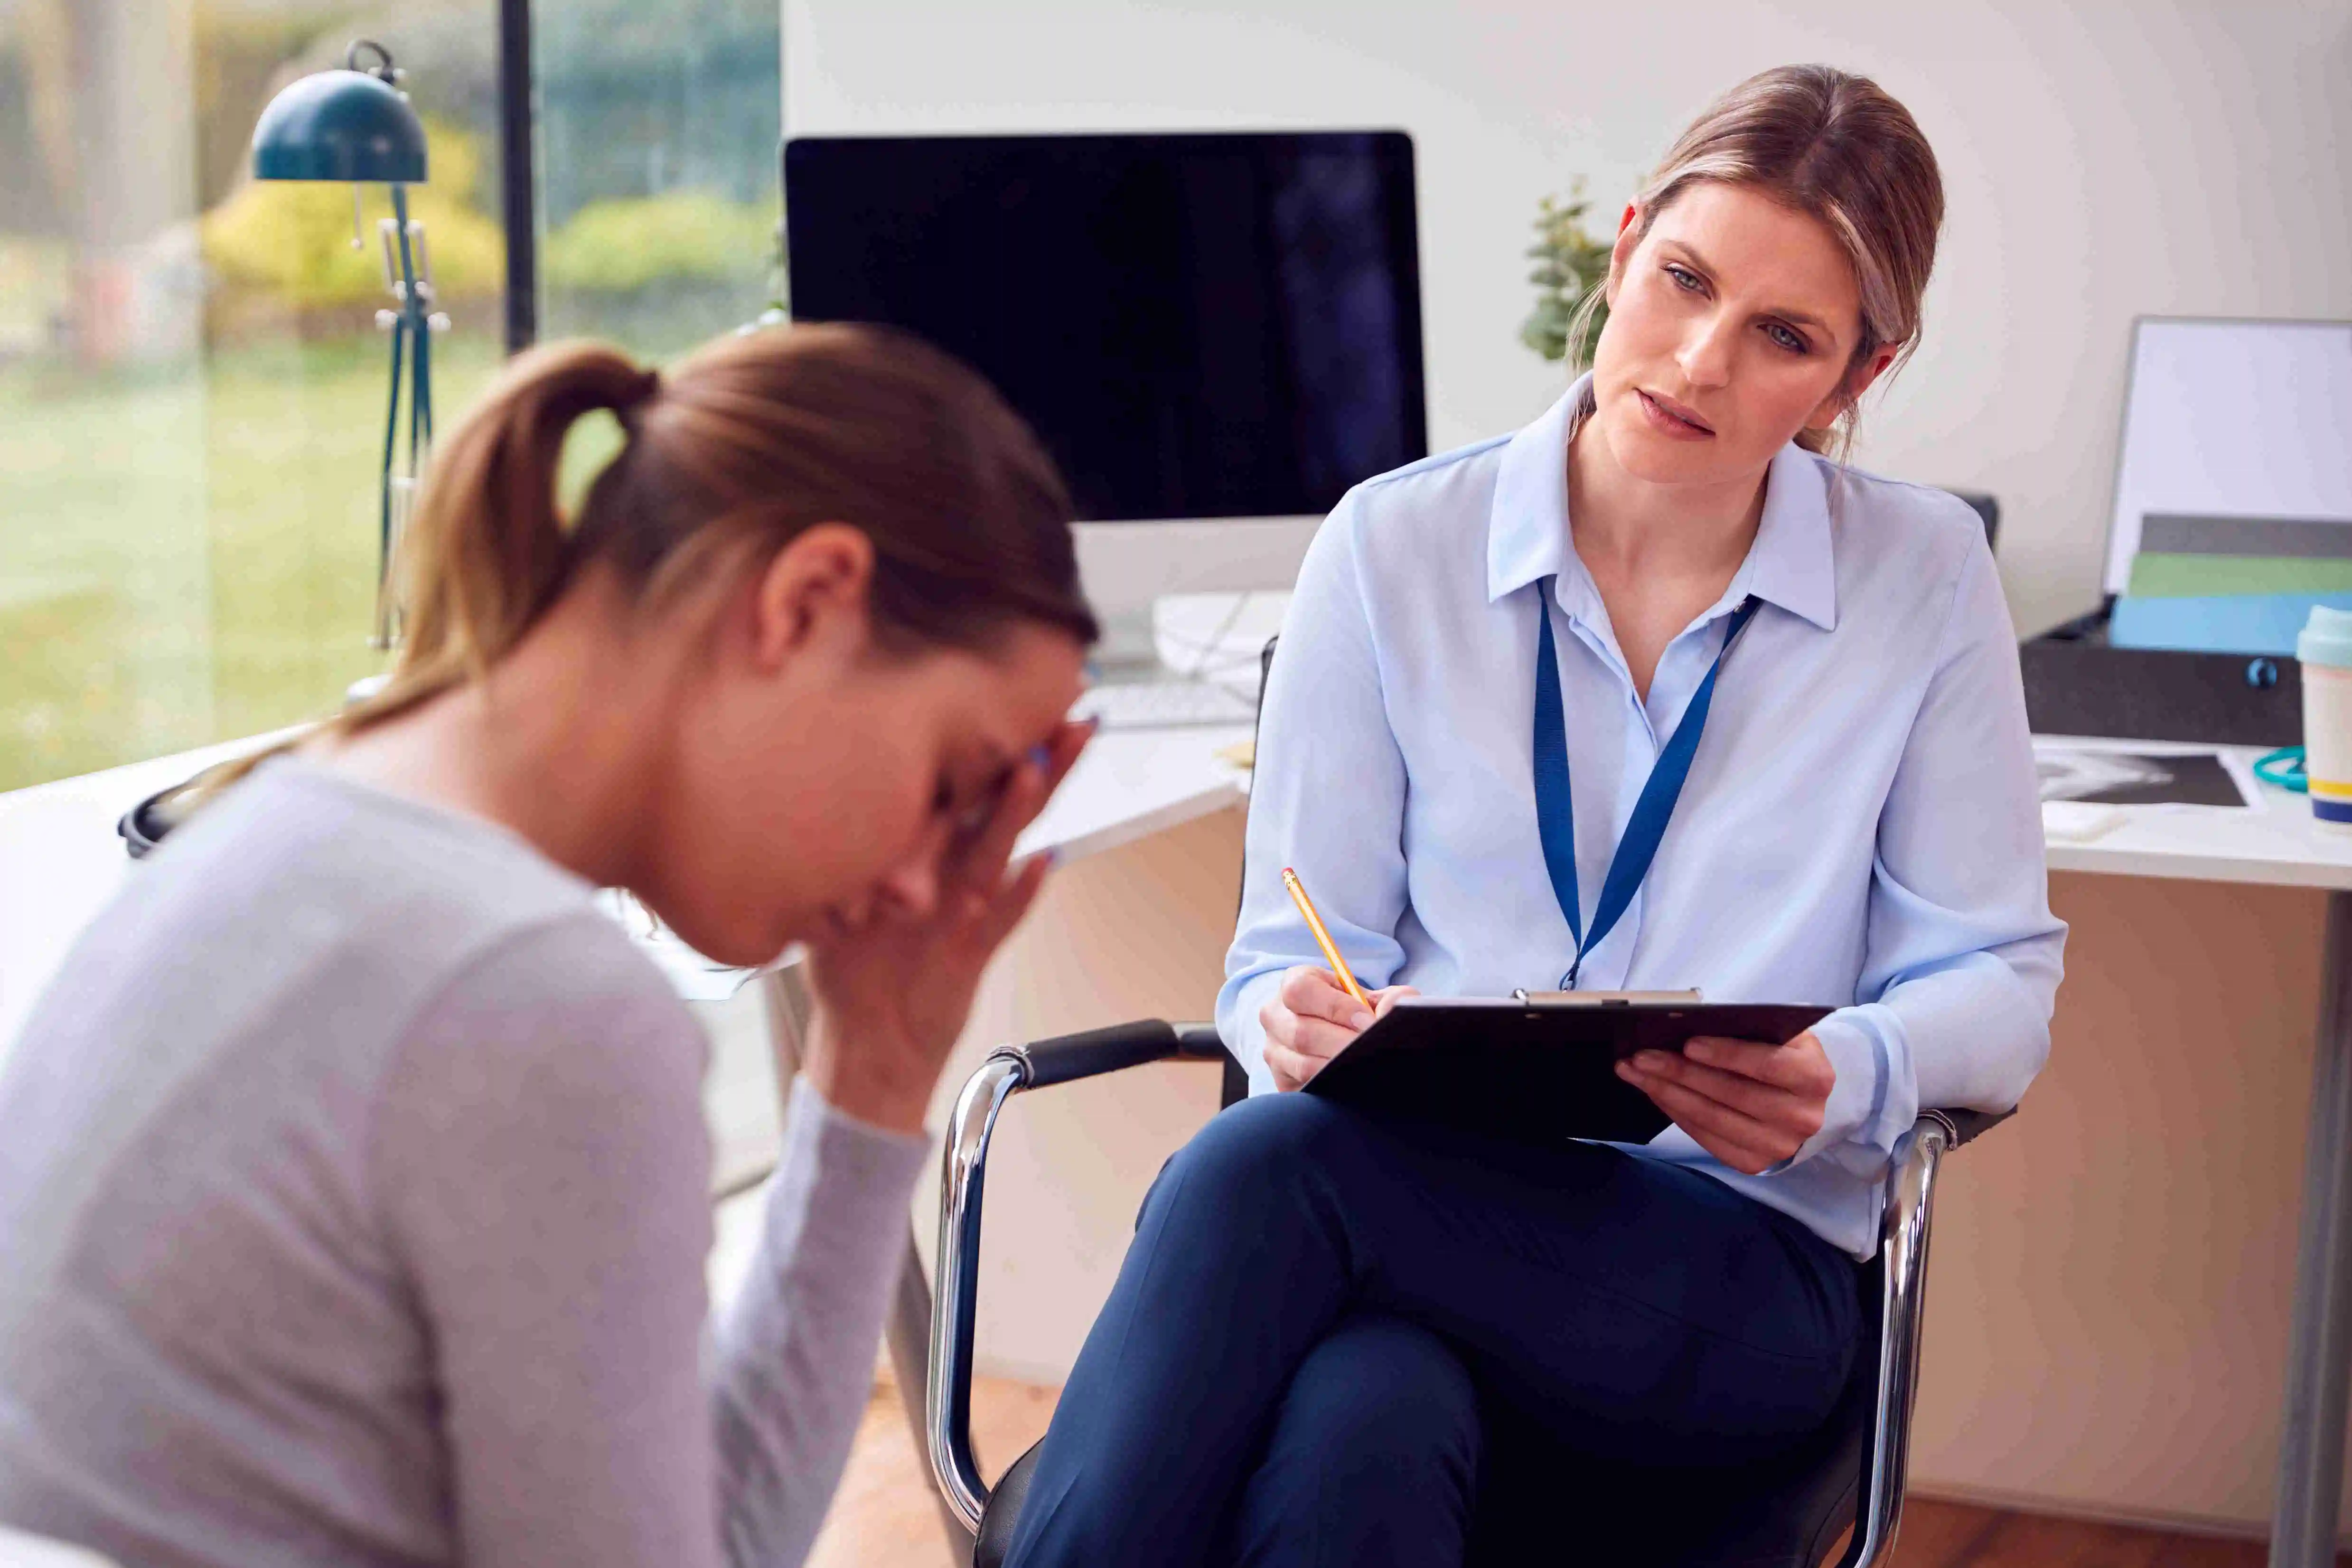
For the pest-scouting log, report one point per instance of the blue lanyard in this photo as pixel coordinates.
(1556, 812)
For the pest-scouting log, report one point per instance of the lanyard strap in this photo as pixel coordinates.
(1556, 811)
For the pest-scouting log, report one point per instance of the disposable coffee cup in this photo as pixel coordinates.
(2325, 650)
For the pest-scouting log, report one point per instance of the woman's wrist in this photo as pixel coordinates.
(875, 1081)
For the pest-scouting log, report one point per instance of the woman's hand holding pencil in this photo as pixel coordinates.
(1317, 1012)
(1311, 1020)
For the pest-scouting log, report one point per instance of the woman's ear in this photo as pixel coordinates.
(1849, 392)
(814, 586)
(1620, 254)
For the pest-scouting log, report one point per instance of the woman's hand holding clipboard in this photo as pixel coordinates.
(1749, 1104)
(1556, 1066)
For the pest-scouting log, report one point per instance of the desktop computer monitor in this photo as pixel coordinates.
(1214, 334)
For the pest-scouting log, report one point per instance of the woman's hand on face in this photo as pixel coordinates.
(1749, 1105)
(1311, 1019)
(892, 994)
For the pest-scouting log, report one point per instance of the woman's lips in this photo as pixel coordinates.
(1672, 420)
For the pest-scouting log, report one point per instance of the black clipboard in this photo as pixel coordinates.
(1539, 1066)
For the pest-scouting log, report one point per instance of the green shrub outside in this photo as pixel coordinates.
(623, 244)
(283, 243)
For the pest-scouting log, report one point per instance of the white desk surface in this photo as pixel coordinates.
(60, 859)
(2276, 841)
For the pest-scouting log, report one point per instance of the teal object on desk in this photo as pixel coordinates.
(2284, 768)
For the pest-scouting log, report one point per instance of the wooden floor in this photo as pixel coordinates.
(1950, 1535)
(887, 1514)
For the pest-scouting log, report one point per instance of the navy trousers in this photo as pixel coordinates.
(1339, 1341)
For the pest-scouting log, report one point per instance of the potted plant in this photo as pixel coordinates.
(1570, 264)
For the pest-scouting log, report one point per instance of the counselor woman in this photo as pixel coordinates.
(1337, 1340)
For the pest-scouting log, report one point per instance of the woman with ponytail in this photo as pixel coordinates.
(355, 1197)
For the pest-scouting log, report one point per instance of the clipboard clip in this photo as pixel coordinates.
(1526, 998)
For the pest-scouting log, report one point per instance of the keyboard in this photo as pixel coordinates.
(1163, 705)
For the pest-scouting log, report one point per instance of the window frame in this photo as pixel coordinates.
(518, 173)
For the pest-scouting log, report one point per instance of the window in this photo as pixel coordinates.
(658, 185)
(193, 387)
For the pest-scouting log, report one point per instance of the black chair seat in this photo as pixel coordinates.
(1788, 1512)
(1003, 1513)
(1783, 1513)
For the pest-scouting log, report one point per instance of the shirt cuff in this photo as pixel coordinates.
(829, 1142)
(1857, 1103)
(1245, 1036)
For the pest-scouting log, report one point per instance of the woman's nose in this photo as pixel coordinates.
(1706, 355)
(913, 889)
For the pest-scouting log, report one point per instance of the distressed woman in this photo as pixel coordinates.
(354, 1191)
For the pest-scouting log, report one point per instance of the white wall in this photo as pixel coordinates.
(2101, 161)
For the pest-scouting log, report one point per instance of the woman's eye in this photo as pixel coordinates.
(1683, 279)
(957, 808)
(1786, 337)
(969, 810)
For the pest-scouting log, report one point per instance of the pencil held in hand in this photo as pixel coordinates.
(1323, 937)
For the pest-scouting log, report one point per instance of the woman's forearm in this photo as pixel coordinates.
(792, 1358)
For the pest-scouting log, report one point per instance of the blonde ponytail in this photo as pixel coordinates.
(487, 552)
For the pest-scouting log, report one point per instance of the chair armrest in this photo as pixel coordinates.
(955, 1294)
(1969, 1125)
(1096, 1051)
(1902, 1273)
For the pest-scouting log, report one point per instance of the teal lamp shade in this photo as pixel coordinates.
(341, 125)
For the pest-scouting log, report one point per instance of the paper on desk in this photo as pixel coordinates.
(2071, 771)
(2078, 821)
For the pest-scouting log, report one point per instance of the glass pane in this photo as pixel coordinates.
(658, 131)
(193, 383)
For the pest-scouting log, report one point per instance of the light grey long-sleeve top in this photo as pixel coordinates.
(353, 1209)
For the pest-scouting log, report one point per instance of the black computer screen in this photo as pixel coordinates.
(1219, 325)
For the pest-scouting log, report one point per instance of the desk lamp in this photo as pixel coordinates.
(356, 126)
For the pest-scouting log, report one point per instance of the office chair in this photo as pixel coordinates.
(1987, 508)
(1784, 1513)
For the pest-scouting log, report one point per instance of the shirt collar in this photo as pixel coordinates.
(1527, 529)
(1791, 557)
(1527, 536)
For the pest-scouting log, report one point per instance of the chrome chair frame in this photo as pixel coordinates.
(1015, 1070)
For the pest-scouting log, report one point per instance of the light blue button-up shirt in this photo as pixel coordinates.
(1860, 828)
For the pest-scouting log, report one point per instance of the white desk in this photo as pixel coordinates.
(2279, 843)
(60, 860)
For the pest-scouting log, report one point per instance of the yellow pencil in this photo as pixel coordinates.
(1323, 937)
